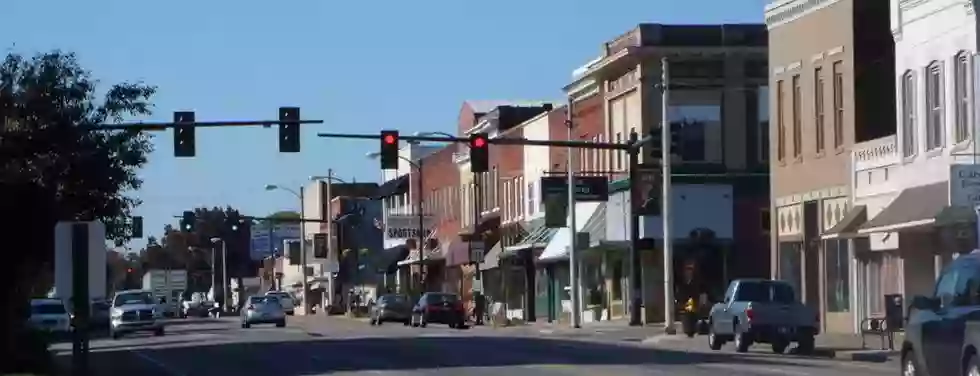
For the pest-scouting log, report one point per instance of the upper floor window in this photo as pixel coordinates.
(934, 106)
(818, 109)
(531, 205)
(618, 155)
(961, 89)
(780, 123)
(695, 115)
(838, 73)
(908, 102)
(762, 93)
(797, 118)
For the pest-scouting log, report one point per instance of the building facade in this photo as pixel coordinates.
(826, 84)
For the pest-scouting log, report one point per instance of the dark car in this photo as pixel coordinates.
(391, 307)
(943, 330)
(439, 308)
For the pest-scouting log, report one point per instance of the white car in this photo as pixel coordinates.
(50, 315)
(285, 300)
(135, 311)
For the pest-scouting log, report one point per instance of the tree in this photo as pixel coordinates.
(54, 167)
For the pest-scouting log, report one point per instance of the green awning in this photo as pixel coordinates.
(537, 238)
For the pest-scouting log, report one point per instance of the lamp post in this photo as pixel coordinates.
(302, 242)
(329, 179)
(421, 202)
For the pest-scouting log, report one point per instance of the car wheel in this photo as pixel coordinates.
(805, 345)
(415, 321)
(452, 325)
(281, 324)
(158, 332)
(372, 322)
(909, 365)
(779, 346)
(742, 342)
(423, 322)
(713, 342)
(379, 321)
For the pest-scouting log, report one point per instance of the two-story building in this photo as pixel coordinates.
(918, 187)
(831, 64)
(717, 74)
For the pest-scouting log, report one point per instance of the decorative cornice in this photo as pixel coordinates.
(781, 12)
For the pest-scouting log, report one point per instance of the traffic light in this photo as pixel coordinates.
(479, 154)
(187, 221)
(656, 144)
(389, 150)
(289, 129)
(184, 134)
(234, 222)
(129, 270)
(137, 227)
(320, 246)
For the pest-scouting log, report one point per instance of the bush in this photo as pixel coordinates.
(27, 352)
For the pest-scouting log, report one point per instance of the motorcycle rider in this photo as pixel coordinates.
(692, 294)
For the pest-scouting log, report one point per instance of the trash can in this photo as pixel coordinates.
(894, 312)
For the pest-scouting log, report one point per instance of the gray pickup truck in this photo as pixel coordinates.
(762, 311)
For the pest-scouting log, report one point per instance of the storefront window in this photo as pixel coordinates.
(838, 275)
(790, 264)
(617, 279)
(593, 281)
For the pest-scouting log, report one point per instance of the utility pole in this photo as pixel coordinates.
(302, 252)
(573, 275)
(421, 214)
(665, 162)
(214, 272)
(224, 274)
(330, 248)
(636, 263)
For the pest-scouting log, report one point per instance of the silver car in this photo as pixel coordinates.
(263, 310)
(135, 311)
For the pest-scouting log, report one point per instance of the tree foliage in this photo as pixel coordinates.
(54, 166)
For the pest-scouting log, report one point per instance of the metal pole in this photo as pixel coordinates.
(666, 200)
(421, 234)
(214, 273)
(302, 253)
(636, 268)
(573, 277)
(272, 252)
(331, 255)
(224, 274)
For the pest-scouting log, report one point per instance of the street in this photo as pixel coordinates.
(335, 346)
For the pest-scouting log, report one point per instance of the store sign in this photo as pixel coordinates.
(406, 226)
(964, 185)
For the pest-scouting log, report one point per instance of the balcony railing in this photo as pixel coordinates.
(875, 153)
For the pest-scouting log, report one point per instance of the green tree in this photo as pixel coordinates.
(55, 167)
(194, 251)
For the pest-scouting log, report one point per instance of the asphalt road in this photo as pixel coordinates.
(346, 347)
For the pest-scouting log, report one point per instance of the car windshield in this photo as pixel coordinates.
(392, 299)
(280, 295)
(441, 298)
(765, 292)
(263, 300)
(132, 298)
(53, 308)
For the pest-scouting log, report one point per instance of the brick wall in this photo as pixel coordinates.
(589, 122)
(440, 185)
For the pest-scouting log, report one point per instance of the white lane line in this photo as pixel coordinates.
(756, 369)
(170, 370)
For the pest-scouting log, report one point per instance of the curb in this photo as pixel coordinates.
(870, 356)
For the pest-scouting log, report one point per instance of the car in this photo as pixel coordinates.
(50, 315)
(439, 308)
(943, 328)
(265, 309)
(135, 311)
(285, 299)
(391, 307)
(762, 311)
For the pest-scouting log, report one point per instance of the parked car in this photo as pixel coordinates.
(135, 311)
(50, 315)
(942, 332)
(263, 310)
(391, 307)
(285, 299)
(762, 311)
(439, 308)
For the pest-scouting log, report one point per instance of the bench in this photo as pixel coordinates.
(878, 326)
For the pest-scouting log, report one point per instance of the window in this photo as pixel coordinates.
(961, 86)
(838, 104)
(532, 208)
(506, 208)
(618, 155)
(838, 275)
(762, 95)
(946, 286)
(695, 116)
(934, 106)
(797, 118)
(909, 129)
(780, 123)
(818, 109)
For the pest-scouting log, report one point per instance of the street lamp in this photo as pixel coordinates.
(329, 179)
(224, 272)
(302, 241)
(421, 202)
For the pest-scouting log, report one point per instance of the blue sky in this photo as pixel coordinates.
(361, 66)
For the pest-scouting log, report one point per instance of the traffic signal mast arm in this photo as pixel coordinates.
(160, 126)
(503, 141)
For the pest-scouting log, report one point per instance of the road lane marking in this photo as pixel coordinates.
(170, 370)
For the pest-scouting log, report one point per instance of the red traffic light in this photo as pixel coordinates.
(479, 142)
(390, 139)
(130, 270)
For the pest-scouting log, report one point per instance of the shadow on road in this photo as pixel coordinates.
(387, 354)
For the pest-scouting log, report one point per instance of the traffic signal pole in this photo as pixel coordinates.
(636, 272)
(573, 264)
(665, 161)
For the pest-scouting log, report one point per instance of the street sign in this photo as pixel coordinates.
(587, 188)
(267, 242)
(320, 245)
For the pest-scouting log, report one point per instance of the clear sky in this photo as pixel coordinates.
(361, 66)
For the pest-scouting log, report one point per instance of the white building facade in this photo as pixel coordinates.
(918, 186)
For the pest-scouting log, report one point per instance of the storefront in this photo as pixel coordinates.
(518, 276)
(401, 234)
(553, 265)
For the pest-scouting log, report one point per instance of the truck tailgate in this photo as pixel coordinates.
(779, 314)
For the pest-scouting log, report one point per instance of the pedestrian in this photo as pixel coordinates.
(479, 307)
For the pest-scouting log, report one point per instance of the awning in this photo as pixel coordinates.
(430, 255)
(389, 258)
(848, 226)
(914, 207)
(557, 248)
(492, 259)
(457, 252)
(393, 187)
(538, 238)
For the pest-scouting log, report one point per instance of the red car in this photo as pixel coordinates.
(439, 308)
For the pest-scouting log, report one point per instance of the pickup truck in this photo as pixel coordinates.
(762, 311)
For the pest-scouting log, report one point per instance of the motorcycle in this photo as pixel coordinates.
(692, 321)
